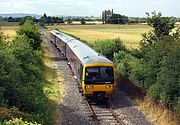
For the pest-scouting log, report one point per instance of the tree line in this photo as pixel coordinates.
(109, 17)
(48, 20)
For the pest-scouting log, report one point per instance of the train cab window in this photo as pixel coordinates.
(99, 74)
(92, 73)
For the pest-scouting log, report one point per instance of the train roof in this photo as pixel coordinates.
(62, 36)
(85, 54)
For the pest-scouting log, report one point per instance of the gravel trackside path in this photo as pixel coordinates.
(71, 109)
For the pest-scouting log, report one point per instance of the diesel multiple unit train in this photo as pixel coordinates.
(95, 73)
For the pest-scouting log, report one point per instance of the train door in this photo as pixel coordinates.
(58, 43)
(61, 46)
(79, 74)
(75, 65)
(65, 49)
(68, 54)
(55, 40)
(51, 37)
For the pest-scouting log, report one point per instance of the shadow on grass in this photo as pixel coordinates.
(131, 90)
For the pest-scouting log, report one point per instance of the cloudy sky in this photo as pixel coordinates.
(91, 7)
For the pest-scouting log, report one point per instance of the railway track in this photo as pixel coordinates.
(101, 113)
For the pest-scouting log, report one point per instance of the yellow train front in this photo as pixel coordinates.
(95, 73)
(98, 79)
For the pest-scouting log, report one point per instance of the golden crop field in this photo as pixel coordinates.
(129, 34)
(9, 31)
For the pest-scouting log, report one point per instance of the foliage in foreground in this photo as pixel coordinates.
(21, 82)
(17, 121)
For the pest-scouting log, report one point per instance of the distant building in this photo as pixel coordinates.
(106, 14)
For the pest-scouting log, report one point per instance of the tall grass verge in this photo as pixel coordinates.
(51, 83)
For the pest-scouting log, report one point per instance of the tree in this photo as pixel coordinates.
(83, 21)
(1, 18)
(103, 17)
(24, 19)
(162, 71)
(106, 14)
(50, 20)
(69, 21)
(29, 30)
(45, 16)
(118, 19)
(162, 26)
(10, 19)
(160, 60)
(43, 20)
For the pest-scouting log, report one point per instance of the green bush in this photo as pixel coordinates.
(30, 60)
(3, 100)
(162, 71)
(168, 72)
(155, 91)
(13, 112)
(123, 62)
(21, 82)
(109, 47)
(29, 29)
(129, 66)
(17, 121)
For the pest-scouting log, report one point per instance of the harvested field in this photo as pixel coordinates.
(130, 34)
(10, 31)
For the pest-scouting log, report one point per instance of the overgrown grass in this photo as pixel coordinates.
(51, 88)
(53, 81)
(158, 113)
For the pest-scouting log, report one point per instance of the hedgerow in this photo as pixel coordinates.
(155, 67)
(21, 81)
(31, 32)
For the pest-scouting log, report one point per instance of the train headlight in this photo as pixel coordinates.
(109, 86)
(89, 86)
